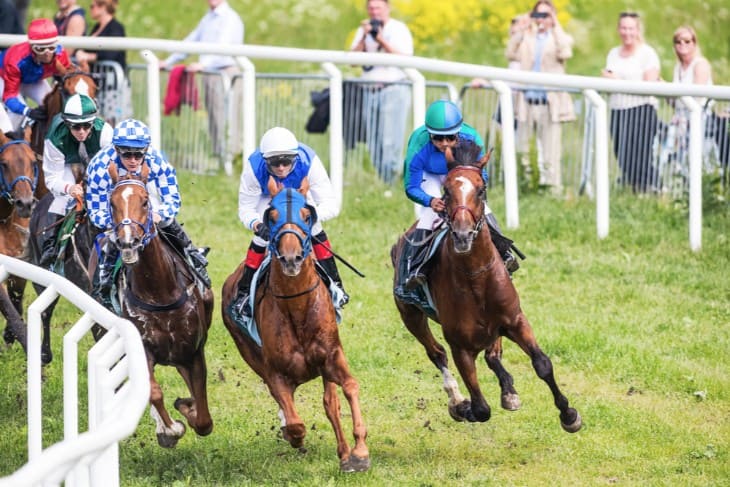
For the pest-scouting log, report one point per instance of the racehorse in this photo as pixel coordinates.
(474, 299)
(298, 329)
(77, 242)
(18, 179)
(159, 293)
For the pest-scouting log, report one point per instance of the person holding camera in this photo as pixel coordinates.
(386, 98)
(540, 44)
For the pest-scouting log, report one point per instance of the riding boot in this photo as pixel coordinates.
(50, 236)
(503, 244)
(101, 283)
(241, 304)
(330, 267)
(179, 239)
(414, 255)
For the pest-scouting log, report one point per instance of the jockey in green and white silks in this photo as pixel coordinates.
(73, 138)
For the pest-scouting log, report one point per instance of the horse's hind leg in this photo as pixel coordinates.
(195, 408)
(510, 399)
(15, 328)
(417, 323)
(522, 334)
(168, 431)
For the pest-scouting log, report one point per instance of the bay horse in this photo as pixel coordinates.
(159, 293)
(298, 329)
(475, 300)
(18, 180)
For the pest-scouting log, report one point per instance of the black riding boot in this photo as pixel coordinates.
(50, 237)
(241, 304)
(179, 239)
(101, 283)
(330, 267)
(412, 259)
(503, 244)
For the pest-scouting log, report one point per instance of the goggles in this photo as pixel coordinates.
(79, 126)
(280, 161)
(43, 49)
(447, 138)
(130, 153)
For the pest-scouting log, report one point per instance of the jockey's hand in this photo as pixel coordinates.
(156, 218)
(262, 231)
(437, 205)
(76, 190)
(38, 114)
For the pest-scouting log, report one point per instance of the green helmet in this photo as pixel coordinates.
(443, 118)
(79, 108)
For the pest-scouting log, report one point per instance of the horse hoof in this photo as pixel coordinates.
(462, 411)
(355, 464)
(294, 434)
(167, 440)
(511, 402)
(574, 425)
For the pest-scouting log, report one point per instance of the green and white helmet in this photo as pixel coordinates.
(79, 108)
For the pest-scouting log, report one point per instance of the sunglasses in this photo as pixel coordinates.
(633, 15)
(683, 41)
(280, 161)
(79, 126)
(136, 154)
(42, 49)
(447, 138)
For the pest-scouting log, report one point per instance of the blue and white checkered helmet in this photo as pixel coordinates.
(131, 133)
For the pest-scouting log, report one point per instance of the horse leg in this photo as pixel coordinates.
(195, 408)
(417, 324)
(168, 431)
(292, 427)
(464, 361)
(337, 373)
(523, 336)
(510, 399)
(15, 329)
(46, 352)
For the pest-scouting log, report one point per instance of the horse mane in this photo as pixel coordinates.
(466, 153)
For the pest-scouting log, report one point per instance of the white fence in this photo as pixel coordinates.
(118, 389)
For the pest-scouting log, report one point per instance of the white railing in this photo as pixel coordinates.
(346, 58)
(118, 389)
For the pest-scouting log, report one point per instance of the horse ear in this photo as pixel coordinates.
(450, 161)
(273, 187)
(84, 66)
(28, 133)
(145, 172)
(313, 214)
(485, 158)
(304, 188)
(3, 138)
(113, 172)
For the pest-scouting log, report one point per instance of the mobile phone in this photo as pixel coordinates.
(539, 15)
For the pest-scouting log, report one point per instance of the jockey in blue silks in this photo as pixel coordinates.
(425, 172)
(286, 162)
(130, 149)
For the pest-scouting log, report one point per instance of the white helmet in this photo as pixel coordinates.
(278, 141)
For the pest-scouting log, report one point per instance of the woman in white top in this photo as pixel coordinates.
(693, 68)
(633, 118)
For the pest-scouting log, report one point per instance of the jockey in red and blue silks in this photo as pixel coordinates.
(288, 162)
(24, 68)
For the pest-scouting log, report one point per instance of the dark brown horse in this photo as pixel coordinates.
(475, 300)
(298, 333)
(161, 296)
(18, 179)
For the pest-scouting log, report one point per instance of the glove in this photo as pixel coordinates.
(262, 231)
(38, 114)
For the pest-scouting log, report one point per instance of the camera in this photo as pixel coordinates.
(375, 26)
(539, 15)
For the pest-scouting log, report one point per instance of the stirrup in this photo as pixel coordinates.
(415, 280)
(242, 305)
(510, 262)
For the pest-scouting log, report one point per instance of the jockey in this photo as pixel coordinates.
(130, 149)
(281, 157)
(73, 138)
(425, 170)
(24, 68)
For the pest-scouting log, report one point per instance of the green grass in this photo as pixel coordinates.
(637, 327)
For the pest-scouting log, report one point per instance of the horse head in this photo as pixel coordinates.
(131, 213)
(464, 193)
(18, 172)
(290, 220)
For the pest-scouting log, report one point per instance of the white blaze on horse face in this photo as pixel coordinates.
(82, 87)
(466, 187)
(127, 193)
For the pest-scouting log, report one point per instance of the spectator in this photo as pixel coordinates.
(220, 25)
(633, 117)
(693, 68)
(102, 11)
(25, 67)
(425, 167)
(22, 6)
(70, 20)
(385, 103)
(9, 19)
(283, 160)
(540, 44)
(74, 137)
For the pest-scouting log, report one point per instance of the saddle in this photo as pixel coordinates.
(66, 230)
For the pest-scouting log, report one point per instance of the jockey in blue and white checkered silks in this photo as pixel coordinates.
(131, 140)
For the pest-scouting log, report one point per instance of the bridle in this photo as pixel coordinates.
(6, 189)
(149, 231)
(479, 220)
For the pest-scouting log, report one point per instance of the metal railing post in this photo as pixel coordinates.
(695, 172)
(336, 147)
(153, 96)
(600, 137)
(508, 154)
(248, 109)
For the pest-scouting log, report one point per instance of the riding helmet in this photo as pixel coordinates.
(42, 31)
(79, 108)
(131, 133)
(278, 141)
(443, 118)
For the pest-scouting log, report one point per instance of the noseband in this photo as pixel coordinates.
(7, 189)
(479, 220)
(147, 229)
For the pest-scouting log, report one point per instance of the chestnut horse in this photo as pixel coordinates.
(298, 329)
(18, 179)
(159, 294)
(475, 300)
